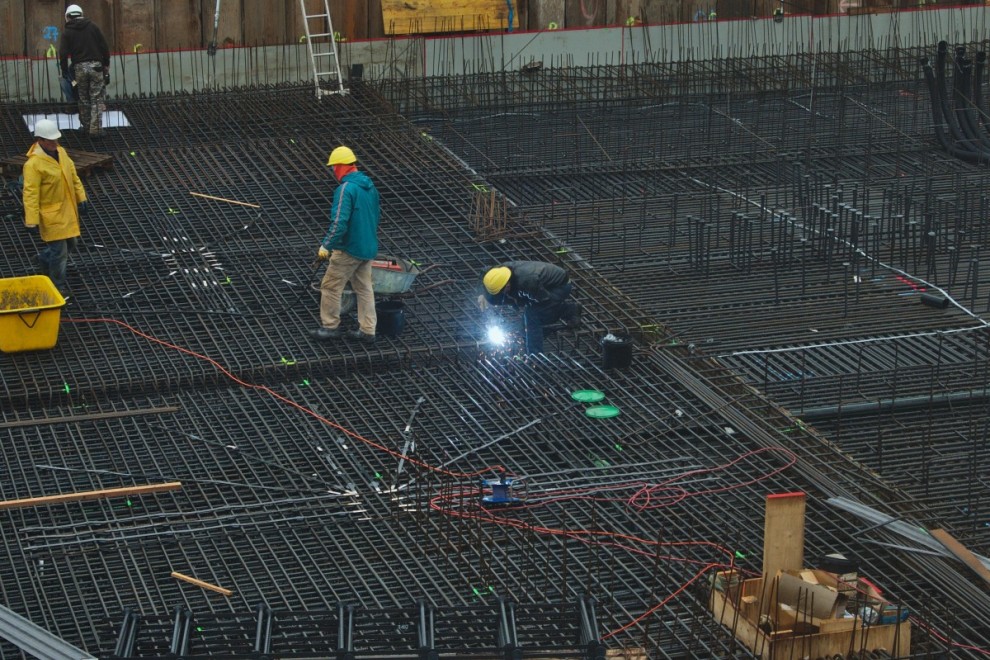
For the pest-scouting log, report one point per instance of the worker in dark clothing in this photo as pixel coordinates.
(542, 290)
(83, 43)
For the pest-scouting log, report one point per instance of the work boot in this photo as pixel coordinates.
(357, 335)
(326, 334)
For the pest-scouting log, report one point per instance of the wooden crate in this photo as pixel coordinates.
(86, 162)
(736, 604)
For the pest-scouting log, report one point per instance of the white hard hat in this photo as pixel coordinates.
(73, 11)
(47, 129)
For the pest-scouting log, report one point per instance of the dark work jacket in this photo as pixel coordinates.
(531, 283)
(83, 42)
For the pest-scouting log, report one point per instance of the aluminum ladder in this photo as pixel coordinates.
(321, 42)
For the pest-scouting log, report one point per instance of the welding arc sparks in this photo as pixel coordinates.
(496, 335)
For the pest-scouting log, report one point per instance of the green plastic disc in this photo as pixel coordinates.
(587, 396)
(602, 412)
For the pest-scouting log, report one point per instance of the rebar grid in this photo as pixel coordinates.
(248, 518)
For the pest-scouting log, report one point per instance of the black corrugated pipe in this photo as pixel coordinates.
(955, 133)
(893, 405)
(977, 94)
(962, 76)
(940, 122)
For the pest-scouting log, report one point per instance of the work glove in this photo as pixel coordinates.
(84, 208)
(323, 254)
(483, 303)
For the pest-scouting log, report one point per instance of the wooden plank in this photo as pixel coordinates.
(585, 13)
(126, 491)
(224, 199)
(543, 14)
(376, 24)
(72, 419)
(783, 534)
(350, 19)
(264, 23)
(12, 27)
(961, 552)
(136, 26)
(44, 21)
(229, 32)
(200, 583)
(441, 16)
(180, 24)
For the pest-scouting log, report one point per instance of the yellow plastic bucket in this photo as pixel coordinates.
(30, 309)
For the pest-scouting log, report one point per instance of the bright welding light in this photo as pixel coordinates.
(496, 335)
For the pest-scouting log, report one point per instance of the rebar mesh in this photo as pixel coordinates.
(719, 226)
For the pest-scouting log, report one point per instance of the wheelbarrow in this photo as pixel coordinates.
(391, 279)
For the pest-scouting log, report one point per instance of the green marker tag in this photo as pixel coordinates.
(288, 363)
(133, 154)
(128, 502)
(618, 447)
(739, 555)
(66, 388)
(305, 383)
(378, 475)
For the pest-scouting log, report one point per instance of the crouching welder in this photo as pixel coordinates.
(543, 292)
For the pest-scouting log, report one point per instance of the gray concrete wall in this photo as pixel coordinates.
(149, 74)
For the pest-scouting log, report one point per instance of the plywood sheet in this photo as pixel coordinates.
(350, 18)
(543, 14)
(102, 13)
(43, 24)
(586, 13)
(229, 32)
(12, 27)
(180, 24)
(136, 25)
(441, 16)
(264, 22)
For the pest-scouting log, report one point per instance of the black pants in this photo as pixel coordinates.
(536, 316)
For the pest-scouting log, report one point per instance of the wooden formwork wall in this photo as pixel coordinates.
(147, 25)
(31, 27)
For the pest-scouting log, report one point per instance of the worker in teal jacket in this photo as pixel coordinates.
(350, 244)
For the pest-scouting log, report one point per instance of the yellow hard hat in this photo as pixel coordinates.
(496, 279)
(341, 156)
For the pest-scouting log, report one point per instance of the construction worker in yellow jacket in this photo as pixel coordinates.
(54, 198)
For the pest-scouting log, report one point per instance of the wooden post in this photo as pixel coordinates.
(783, 534)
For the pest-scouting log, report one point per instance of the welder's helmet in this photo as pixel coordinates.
(341, 156)
(47, 129)
(496, 279)
(73, 11)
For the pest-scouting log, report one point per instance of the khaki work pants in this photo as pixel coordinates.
(344, 268)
